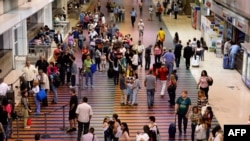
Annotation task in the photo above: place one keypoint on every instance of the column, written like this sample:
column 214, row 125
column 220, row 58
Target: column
column 40, row 16
column 48, row 16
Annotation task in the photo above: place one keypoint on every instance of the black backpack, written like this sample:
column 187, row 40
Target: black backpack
column 56, row 80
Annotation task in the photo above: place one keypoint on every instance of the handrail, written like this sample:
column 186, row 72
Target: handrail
column 11, row 85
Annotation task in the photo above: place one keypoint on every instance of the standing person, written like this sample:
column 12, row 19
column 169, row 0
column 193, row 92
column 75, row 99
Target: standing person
column 90, row 136
column 176, row 9
column 203, row 82
column 140, row 48
column 44, row 84
column 154, row 128
column 148, row 57
column 42, row 63
column 182, row 109
column 3, row 87
column 72, row 111
column 133, row 16
column 25, row 109
column 232, row 54
column 150, row 10
column 123, row 88
column 140, row 8
column 201, row 130
column 136, row 87
column 30, row 73
column 106, row 128
column 84, row 114
column 73, row 72
column 88, row 74
column 35, row 91
column 172, row 85
column 165, row 5
column 160, row 37
column 227, row 46
column 141, row 28
column 169, row 58
column 125, row 132
column 98, row 55
column 162, row 73
column 52, row 86
column 187, row 54
column 150, row 84
column 117, row 127
column 177, row 53
column 116, row 65
column 208, row 117
column 159, row 12
column 195, row 115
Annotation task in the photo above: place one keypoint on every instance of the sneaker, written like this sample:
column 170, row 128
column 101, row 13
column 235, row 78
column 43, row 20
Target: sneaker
column 26, row 127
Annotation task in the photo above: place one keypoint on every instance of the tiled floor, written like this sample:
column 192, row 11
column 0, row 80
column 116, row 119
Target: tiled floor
column 228, row 96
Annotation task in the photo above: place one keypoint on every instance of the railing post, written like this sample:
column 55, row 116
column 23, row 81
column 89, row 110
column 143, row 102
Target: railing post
column 63, row 128
column 17, row 130
column 45, row 135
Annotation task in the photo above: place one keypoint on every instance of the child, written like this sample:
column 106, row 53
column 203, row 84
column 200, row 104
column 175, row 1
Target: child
column 103, row 62
column 35, row 91
column 72, row 112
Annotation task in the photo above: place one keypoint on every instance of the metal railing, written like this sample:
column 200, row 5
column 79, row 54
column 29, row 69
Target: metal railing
column 37, row 50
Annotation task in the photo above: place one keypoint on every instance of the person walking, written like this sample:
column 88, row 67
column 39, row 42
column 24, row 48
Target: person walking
column 182, row 109
column 72, row 111
column 30, row 73
column 148, row 57
column 150, row 84
column 133, row 16
column 169, row 58
column 88, row 74
column 177, row 53
column 187, row 54
column 84, row 113
column 176, row 9
column 3, row 87
column 160, row 37
column 203, row 82
column 90, row 136
column 172, row 85
column 150, row 10
column 162, row 74
column 141, row 28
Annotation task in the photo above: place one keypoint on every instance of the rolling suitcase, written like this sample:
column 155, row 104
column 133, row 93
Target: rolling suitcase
column 172, row 129
column 226, row 62
column 195, row 61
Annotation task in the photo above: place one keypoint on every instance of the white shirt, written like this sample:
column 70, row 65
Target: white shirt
column 29, row 72
column 89, row 137
column 35, row 90
column 103, row 20
column 142, row 136
column 150, row 10
column 4, row 88
column 84, row 110
column 200, row 132
column 140, row 48
column 135, row 59
column 140, row 26
column 123, row 50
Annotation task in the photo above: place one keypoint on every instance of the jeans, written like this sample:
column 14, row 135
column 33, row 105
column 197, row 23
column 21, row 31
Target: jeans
column 157, row 58
column 163, row 87
column 73, row 80
column 5, row 127
column 208, row 132
column 193, row 126
column 54, row 91
column 88, row 75
column 140, row 59
column 170, row 67
column 130, row 95
column 231, row 60
column 147, row 62
column 37, row 102
column 80, row 44
column 185, row 122
column 83, row 128
column 135, row 92
column 133, row 20
column 172, row 95
column 116, row 77
column 150, row 97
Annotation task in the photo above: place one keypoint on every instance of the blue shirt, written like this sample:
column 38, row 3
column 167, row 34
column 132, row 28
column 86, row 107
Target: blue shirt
column 234, row 49
column 169, row 57
column 133, row 13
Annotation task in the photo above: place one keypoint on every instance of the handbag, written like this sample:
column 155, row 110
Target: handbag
column 41, row 94
column 29, row 122
column 93, row 68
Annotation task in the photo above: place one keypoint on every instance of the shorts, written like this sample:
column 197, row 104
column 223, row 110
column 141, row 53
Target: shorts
column 72, row 115
column 134, row 67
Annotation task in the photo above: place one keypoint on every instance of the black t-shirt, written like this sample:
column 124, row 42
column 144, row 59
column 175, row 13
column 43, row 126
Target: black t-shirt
column 73, row 100
column 24, row 85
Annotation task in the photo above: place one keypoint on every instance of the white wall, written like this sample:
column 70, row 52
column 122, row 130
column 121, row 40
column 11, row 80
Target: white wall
column 1, row 7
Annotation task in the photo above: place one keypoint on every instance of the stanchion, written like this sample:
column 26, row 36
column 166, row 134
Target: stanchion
column 17, row 130
column 45, row 135
column 63, row 128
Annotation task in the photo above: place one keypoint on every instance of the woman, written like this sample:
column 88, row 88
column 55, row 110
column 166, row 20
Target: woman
column 70, row 40
column 116, row 66
column 201, row 100
column 26, row 109
column 204, row 47
column 203, row 82
column 171, row 89
column 217, row 134
column 35, row 91
column 200, row 130
column 98, row 58
column 134, row 60
column 117, row 127
column 194, row 119
column 105, row 126
column 52, row 66
column 176, row 38
column 153, row 128
column 208, row 116
column 145, row 136
column 125, row 132
column 157, row 53
column 130, row 82
column 7, row 120
column 136, row 87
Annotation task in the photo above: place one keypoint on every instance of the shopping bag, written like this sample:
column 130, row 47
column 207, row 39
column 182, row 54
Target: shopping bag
column 41, row 94
column 29, row 122
column 93, row 68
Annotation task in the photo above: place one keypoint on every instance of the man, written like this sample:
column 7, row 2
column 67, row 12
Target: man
column 160, row 37
column 182, row 109
column 44, row 84
column 141, row 28
column 177, row 53
column 233, row 51
column 3, row 87
column 187, row 54
column 30, row 73
column 176, row 9
column 139, row 49
column 84, row 114
column 147, row 57
column 58, row 38
column 42, row 64
column 162, row 73
column 90, row 136
column 72, row 111
column 88, row 74
column 150, row 84
column 123, row 88
column 133, row 16
column 169, row 61
column 23, row 85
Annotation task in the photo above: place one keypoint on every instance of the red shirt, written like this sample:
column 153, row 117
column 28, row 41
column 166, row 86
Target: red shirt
column 162, row 73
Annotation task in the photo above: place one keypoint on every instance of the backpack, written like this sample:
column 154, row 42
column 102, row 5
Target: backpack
column 56, row 80
column 210, row 81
